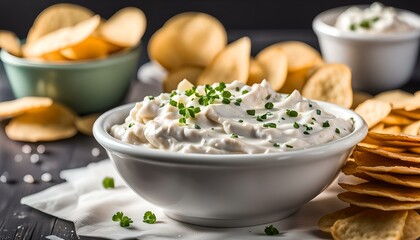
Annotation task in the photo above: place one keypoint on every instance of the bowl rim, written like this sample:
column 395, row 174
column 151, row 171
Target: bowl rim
column 8, row 58
column 142, row 153
column 320, row 26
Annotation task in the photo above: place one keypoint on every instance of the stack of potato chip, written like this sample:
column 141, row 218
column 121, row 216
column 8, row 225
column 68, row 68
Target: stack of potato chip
column 68, row 32
column 386, row 204
column 193, row 46
column 37, row 119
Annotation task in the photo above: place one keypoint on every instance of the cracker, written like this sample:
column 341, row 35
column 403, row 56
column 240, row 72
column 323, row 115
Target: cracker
column 84, row 124
column 412, row 129
column 16, row 107
column 381, row 189
column 374, row 163
column 395, row 178
column 359, row 97
column 415, row 114
column 295, row 80
column 274, row 63
column 410, row 157
column 373, row 111
column 326, row 222
column 381, row 203
column 412, row 226
column 397, row 98
column 394, row 137
column 373, row 146
column 393, row 119
column 172, row 80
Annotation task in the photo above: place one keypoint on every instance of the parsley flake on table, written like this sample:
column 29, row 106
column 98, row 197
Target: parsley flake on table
column 149, row 217
column 124, row 220
column 271, row 230
column 108, row 182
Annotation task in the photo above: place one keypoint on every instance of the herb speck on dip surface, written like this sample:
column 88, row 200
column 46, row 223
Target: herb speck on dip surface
column 372, row 20
column 217, row 119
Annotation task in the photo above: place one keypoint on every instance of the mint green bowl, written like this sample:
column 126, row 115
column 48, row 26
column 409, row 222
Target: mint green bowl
column 85, row 86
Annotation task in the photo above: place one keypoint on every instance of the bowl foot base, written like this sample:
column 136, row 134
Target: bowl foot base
column 240, row 222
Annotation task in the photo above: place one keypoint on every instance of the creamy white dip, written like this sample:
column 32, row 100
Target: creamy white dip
column 374, row 19
column 242, row 119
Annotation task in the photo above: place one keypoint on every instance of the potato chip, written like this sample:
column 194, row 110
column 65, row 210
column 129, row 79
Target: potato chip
column 51, row 57
column 16, row 107
column 415, row 114
column 125, row 28
column 42, row 124
column 62, row 38
column 378, row 127
column 393, row 119
column 188, row 39
column 381, row 203
column 399, row 156
column 359, row 97
column 231, row 64
column 374, row 163
column 402, row 144
column 55, row 17
column 331, row 83
column 371, row 224
column 295, row 80
column 299, row 55
column 399, row 99
column 256, row 73
column 395, row 178
column 274, row 63
column 381, row 189
column 175, row 77
column 373, row 146
column 373, row 111
column 411, row 228
column 90, row 48
column 415, row 150
column 10, row 42
column 350, row 168
column 394, row 137
column 327, row 221
column 85, row 124
column 393, row 129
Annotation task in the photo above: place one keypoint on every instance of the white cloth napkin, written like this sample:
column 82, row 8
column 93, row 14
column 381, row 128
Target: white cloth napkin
column 84, row 201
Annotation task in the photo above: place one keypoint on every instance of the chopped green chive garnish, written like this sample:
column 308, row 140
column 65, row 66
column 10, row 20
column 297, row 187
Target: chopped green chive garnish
column 251, row 112
column 318, row 112
column 291, row 113
column 337, row 130
column 191, row 91
column 182, row 120
column 245, row 92
column 310, row 104
column 151, row 97
column 130, row 125
column 240, row 120
column 212, row 128
column 268, row 97
column 353, row 27
column 197, row 126
column 306, row 132
column 296, row 125
column 282, row 118
column 269, row 105
column 237, row 89
column 259, row 118
column 225, row 101
column 234, row 135
column 221, row 87
column 270, row 125
column 173, row 103
column 314, row 119
column 271, row 230
column 289, row 146
column 149, row 217
column 276, row 145
column 124, row 220
column 108, row 182
column 326, row 124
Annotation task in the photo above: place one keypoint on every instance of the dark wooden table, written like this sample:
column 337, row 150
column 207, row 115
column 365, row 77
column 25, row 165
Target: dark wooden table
column 22, row 222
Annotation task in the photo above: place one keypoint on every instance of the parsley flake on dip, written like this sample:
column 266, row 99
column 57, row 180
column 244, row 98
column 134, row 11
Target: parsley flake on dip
column 375, row 19
column 229, row 118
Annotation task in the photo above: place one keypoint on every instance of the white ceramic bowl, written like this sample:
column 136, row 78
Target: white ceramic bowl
column 228, row 190
column 378, row 62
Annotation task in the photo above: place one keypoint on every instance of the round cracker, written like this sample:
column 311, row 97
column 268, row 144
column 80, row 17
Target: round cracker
column 295, row 80
column 55, row 17
column 10, row 42
column 330, row 83
column 398, row 179
column 359, row 97
column 373, row 111
column 175, row 77
column 394, row 137
column 62, row 38
column 274, row 63
column 85, row 124
column 231, row 64
column 43, row 124
column 412, row 129
column 399, row 99
column 125, row 28
column 299, row 55
column 393, row 119
column 326, row 222
column 22, row 105
column 381, row 189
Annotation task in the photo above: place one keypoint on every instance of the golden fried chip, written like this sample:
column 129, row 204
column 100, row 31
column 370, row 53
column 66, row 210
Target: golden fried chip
column 394, row 137
column 42, row 124
column 10, row 42
column 373, row 111
column 409, row 157
column 231, row 64
column 395, row 178
column 51, row 57
column 296, row 80
column 378, row 127
column 393, row 129
column 16, row 107
column 400, row 99
column 62, row 38
column 256, row 73
column 90, row 48
column 359, row 97
column 330, row 83
column 373, row 146
column 85, row 124
column 175, row 77
column 412, row 226
column 374, row 163
column 125, row 28
column 56, row 17
column 415, row 150
column 326, row 222
column 187, row 39
column 299, row 55
column 412, row 129
column 274, row 63
column 393, row 119
column 350, row 168
column 415, row 114
column 371, row 224
column 381, row 189
column 381, row 203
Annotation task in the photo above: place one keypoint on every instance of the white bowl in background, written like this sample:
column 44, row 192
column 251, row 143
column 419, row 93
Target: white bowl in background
column 378, row 61
column 228, row 190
